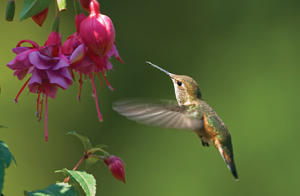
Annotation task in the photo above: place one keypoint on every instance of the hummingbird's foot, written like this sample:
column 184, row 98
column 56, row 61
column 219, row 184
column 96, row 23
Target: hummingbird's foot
column 204, row 143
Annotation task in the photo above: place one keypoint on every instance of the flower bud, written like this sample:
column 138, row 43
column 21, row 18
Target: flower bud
column 78, row 19
column 116, row 167
column 40, row 17
column 10, row 10
column 97, row 31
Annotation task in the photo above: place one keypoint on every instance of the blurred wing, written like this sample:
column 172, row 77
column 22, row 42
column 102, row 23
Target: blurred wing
column 164, row 114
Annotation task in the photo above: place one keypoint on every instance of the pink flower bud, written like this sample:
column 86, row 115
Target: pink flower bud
column 78, row 19
column 97, row 31
column 40, row 17
column 116, row 166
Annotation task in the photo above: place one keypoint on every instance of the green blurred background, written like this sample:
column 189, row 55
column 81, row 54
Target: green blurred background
column 243, row 54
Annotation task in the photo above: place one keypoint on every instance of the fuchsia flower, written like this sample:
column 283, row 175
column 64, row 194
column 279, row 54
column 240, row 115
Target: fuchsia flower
column 90, row 48
column 87, row 52
column 97, row 31
column 116, row 167
column 48, row 68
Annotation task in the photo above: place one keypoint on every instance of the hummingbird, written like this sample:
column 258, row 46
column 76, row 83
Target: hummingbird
column 189, row 112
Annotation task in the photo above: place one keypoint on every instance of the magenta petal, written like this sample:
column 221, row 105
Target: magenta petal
column 85, row 66
column 54, row 38
column 23, row 55
column 21, row 73
column 18, row 50
column 35, row 59
column 77, row 54
column 56, row 78
column 63, row 62
column 36, row 77
column 66, row 74
column 51, row 91
column 109, row 65
column 30, row 70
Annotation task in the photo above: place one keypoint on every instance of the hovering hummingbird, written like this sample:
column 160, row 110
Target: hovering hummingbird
column 189, row 112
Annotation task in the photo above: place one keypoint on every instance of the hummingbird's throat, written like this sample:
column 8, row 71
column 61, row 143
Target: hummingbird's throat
column 181, row 95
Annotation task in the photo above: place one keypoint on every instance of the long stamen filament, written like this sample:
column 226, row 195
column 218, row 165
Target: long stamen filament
column 108, row 84
column 21, row 90
column 96, row 98
column 80, row 86
column 100, row 79
column 46, row 118
column 41, row 111
column 38, row 104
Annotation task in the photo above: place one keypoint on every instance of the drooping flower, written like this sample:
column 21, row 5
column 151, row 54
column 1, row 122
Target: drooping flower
column 116, row 167
column 48, row 68
column 82, row 57
column 40, row 17
column 97, row 31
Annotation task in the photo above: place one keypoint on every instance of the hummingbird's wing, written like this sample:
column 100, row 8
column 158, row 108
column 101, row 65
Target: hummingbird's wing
column 164, row 114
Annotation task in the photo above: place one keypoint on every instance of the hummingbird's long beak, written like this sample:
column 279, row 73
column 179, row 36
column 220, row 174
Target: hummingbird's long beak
column 161, row 69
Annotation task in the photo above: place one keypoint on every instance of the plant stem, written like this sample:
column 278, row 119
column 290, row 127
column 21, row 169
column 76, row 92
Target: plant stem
column 66, row 180
column 79, row 162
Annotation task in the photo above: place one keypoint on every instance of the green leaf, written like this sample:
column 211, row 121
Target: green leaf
column 5, row 155
column 85, row 180
column 1, row 177
column 62, row 5
column 33, row 7
column 2, row 126
column 96, row 149
column 5, row 160
column 84, row 140
column 58, row 189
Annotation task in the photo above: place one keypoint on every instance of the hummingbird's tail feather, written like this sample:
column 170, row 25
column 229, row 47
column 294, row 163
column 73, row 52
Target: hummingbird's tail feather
column 227, row 155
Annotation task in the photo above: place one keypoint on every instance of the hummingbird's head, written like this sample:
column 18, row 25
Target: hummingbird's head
column 186, row 88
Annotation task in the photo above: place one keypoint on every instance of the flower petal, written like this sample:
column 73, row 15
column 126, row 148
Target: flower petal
column 78, row 54
column 63, row 62
column 34, row 58
column 55, row 77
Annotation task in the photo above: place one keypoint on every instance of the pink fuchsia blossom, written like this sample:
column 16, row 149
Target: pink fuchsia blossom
column 116, row 167
column 48, row 68
column 40, row 17
column 97, row 31
column 87, row 63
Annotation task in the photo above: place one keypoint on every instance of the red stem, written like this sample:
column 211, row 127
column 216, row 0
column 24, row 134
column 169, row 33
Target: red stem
column 66, row 180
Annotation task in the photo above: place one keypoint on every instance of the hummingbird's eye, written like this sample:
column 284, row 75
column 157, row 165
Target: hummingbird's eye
column 179, row 83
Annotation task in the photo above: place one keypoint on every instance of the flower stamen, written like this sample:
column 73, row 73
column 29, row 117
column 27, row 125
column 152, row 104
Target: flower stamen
column 21, row 90
column 96, row 97
column 100, row 79
column 41, row 112
column 46, row 118
column 108, row 84
column 38, row 104
column 80, row 85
